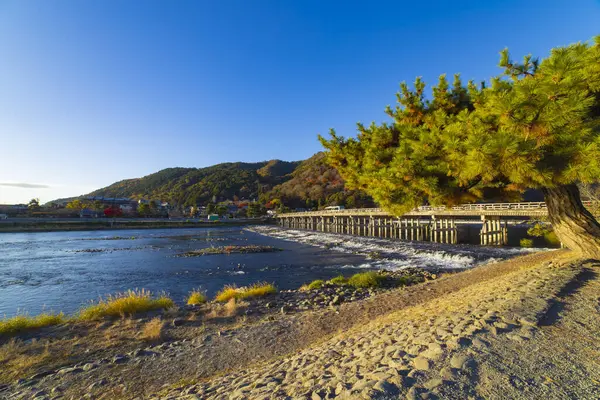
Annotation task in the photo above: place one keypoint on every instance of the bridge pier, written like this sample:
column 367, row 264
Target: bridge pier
column 443, row 230
column 493, row 232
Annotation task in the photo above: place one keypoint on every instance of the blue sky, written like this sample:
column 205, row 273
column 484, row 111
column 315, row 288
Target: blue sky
column 92, row 92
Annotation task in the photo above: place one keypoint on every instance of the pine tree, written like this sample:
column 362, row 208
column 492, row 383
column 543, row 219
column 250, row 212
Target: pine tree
column 537, row 125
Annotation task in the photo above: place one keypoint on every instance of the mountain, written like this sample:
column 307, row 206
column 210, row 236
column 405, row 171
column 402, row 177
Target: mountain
column 195, row 186
column 314, row 183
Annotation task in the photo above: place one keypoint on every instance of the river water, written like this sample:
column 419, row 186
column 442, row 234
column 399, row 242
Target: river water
column 61, row 271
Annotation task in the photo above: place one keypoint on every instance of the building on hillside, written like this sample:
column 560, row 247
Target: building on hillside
column 232, row 209
column 111, row 201
column 201, row 211
column 87, row 213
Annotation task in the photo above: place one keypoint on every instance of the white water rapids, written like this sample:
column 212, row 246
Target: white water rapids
column 393, row 254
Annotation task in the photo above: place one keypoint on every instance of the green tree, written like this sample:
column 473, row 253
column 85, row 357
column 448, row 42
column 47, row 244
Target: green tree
column 221, row 210
column 256, row 210
column 33, row 205
column 210, row 208
column 143, row 210
column 535, row 126
column 77, row 205
column 97, row 205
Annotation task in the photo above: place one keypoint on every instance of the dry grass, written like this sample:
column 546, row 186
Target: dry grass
column 18, row 359
column 230, row 309
column 123, row 304
column 20, row 323
column 171, row 312
column 153, row 329
column 256, row 290
column 196, row 297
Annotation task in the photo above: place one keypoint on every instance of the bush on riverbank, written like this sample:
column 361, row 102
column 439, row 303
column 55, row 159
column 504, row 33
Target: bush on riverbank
column 339, row 281
column 122, row 304
column 20, row 323
column 370, row 279
column 526, row 242
column 256, row 290
column 318, row 284
column 196, row 297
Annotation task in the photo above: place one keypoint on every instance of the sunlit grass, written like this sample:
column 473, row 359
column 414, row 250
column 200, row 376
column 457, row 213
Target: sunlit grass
column 23, row 322
column 339, row 280
column 196, row 297
column 370, row 279
column 227, row 293
column 526, row 242
column 127, row 303
column 256, row 290
column 317, row 284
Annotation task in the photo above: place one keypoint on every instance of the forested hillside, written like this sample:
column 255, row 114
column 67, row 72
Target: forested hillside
column 315, row 183
column 307, row 184
column 197, row 186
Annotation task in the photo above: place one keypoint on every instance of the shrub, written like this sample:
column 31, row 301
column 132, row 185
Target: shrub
column 196, row 297
column 408, row 280
column 366, row 280
column 20, row 323
column 128, row 303
column 318, row 284
column 338, row 280
column 526, row 242
column 256, row 290
column 539, row 230
column 552, row 239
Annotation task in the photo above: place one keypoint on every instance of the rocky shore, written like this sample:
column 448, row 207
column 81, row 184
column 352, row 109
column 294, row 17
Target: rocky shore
column 332, row 295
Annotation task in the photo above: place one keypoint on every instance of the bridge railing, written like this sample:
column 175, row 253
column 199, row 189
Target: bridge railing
column 538, row 205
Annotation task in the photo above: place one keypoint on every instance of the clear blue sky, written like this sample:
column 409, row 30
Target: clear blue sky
column 92, row 92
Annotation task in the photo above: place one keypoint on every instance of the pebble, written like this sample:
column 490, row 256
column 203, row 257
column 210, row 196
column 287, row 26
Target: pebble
column 69, row 370
column 422, row 363
column 119, row 359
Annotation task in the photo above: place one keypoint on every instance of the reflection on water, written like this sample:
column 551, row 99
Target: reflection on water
column 61, row 271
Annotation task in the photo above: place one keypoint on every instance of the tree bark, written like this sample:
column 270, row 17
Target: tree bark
column 574, row 225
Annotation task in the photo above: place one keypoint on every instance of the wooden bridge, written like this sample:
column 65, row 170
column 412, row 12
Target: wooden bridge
column 426, row 223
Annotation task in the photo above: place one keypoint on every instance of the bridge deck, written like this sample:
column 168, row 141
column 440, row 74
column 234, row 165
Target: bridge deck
column 530, row 209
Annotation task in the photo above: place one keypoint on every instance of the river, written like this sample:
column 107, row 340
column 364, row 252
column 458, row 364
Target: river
column 62, row 271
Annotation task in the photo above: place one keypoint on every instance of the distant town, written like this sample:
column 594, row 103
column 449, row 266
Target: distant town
column 110, row 207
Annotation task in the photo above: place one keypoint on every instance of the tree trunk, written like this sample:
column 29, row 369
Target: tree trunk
column 575, row 226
